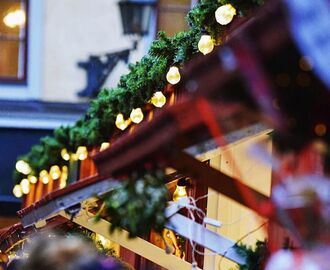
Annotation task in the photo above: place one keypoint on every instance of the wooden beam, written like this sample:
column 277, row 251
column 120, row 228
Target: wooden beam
column 137, row 245
column 224, row 184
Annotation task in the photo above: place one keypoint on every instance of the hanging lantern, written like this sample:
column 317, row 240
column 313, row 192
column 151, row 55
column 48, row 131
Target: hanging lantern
column 17, row 191
column 82, row 152
column 23, row 167
column 121, row 123
column 104, row 146
column 135, row 15
column 158, row 99
column 180, row 190
column 173, row 75
column 25, row 186
column 205, row 44
column 65, row 155
column 55, row 172
column 225, row 14
column 33, row 179
column 44, row 177
column 136, row 115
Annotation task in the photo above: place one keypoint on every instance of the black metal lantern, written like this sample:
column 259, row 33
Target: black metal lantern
column 135, row 15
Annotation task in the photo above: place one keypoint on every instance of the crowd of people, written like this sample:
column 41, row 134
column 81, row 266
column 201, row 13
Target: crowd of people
column 63, row 253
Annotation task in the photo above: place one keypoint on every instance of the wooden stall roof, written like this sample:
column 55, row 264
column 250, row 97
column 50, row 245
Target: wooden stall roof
column 181, row 125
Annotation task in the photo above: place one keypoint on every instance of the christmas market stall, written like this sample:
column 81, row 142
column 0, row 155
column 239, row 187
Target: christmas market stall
column 238, row 152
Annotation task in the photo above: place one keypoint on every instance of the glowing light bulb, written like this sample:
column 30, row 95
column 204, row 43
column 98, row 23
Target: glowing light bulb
column 55, row 172
column 14, row 18
column 205, row 44
column 17, row 191
column 121, row 123
column 225, row 14
column 33, row 179
column 106, row 243
column 158, row 99
column 104, row 146
column 65, row 155
column 180, row 190
column 25, row 186
column 82, row 152
column 136, row 115
column 23, row 167
column 64, row 176
column 173, row 75
column 44, row 177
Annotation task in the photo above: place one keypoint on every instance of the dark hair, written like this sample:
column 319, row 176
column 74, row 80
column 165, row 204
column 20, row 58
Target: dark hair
column 15, row 264
column 106, row 264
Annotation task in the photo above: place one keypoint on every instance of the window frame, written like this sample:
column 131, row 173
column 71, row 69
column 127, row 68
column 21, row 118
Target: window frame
column 31, row 88
column 23, row 79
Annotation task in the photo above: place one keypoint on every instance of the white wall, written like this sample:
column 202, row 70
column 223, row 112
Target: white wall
column 73, row 30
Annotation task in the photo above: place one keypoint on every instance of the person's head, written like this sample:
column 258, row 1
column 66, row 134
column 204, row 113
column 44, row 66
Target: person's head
column 59, row 253
column 15, row 264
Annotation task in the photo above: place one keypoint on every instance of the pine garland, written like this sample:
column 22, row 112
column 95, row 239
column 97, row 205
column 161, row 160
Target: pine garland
column 134, row 90
column 255, row 256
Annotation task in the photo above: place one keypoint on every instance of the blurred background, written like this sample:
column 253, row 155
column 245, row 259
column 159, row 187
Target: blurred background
column 56, row 55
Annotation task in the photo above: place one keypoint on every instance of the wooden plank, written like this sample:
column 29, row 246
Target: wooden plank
column 226, row 185
column 55, row 205
column 137, row 245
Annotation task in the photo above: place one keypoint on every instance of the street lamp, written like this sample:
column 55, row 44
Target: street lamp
column 135, row 15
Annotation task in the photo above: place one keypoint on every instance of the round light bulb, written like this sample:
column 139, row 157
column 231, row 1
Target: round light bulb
column 205, row 44
column 121, row 123
column 225, row 14
column 44, row 177
column 104, row 146
column 55, row 172
column 15, row 18
column 23, row 167
column 158, row 99
column 136, row 115
column 25, row 186
column 17, row 191
column 33, row 179
column 65, row 155
column 82, row 152
column 173, row 75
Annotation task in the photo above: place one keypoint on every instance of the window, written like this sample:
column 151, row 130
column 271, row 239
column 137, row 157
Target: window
column 13, row 40
column 171, row 15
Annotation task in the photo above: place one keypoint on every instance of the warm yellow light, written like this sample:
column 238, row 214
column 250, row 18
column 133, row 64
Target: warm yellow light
column 15, row 18
column 44, row 177
column 64, row 176
column 136, row 115
column 33, row 179
column 205, row 44
column 121, row 123
column 158, row 99
column 82, row 152
column 106, row 243
column 55, row 172
column 23, row 167
column 25, row 186
column 173, row 75
column 17, row 191
column 225, row 14
column 65, row 155
column 104, row 146
column 180, row 192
